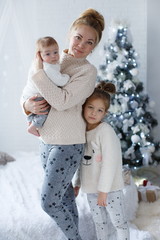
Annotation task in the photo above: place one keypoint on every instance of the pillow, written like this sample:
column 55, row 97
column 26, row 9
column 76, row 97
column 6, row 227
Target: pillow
column 4, row 158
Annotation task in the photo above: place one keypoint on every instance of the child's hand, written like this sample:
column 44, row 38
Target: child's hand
column 102, row 199
column 76, row 191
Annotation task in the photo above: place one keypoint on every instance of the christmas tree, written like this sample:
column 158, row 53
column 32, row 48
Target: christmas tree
column 131, row 110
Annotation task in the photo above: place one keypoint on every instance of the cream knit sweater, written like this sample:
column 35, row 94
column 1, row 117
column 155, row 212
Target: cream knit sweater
column 64, row 124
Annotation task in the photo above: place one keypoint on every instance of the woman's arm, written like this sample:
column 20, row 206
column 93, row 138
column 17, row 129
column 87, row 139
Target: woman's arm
column 77, row 90
column 80, row 86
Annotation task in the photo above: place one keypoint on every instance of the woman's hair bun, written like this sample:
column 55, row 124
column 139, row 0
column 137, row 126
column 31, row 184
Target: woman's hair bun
column 95, row 15
column 106, row 87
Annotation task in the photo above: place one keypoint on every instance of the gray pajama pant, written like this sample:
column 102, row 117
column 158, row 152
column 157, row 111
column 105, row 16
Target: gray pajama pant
column 114, row 212
column 38, row 120
column 60, row 163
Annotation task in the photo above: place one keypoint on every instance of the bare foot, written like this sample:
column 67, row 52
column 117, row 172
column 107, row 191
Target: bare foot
column 33, row 130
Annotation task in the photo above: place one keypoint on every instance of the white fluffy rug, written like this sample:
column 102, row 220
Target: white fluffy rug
column 21, row 216
column 148, row 218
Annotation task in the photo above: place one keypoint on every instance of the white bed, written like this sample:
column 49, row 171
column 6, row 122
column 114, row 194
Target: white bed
column 21, row 216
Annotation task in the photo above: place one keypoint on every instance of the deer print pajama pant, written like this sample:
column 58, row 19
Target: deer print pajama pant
column 60, row 163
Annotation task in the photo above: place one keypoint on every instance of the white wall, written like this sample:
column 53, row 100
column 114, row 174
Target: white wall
column 52, row 18
column 153, row 63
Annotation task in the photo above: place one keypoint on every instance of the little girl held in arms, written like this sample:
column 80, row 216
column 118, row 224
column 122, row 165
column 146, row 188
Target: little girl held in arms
column 100, row 173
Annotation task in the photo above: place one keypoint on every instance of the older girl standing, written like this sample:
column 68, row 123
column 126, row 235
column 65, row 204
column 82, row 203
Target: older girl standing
column 100, row 174
column 63, row 134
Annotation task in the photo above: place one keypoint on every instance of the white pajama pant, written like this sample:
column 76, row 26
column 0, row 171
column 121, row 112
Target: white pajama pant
column 114, row 212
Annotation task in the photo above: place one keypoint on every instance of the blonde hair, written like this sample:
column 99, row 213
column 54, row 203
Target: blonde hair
column 45, row 42
column 92, row 18
column 103, row 91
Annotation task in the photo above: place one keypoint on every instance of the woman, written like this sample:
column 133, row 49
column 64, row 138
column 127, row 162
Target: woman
column 63, row 134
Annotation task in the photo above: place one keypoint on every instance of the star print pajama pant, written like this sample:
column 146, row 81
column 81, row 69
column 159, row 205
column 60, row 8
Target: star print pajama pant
column 114, row 212
column 60, row 163
column 38, row 120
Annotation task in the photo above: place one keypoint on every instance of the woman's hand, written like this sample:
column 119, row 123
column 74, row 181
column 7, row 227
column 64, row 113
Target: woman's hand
column 36, row 107
column 38, row 62
column 102, row 199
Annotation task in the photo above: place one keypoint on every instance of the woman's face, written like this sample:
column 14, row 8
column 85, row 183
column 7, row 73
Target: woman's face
column 82, row 41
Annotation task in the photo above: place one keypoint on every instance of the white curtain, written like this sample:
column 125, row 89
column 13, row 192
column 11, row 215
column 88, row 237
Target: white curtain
column 18, row 33
column 5, row 13
column 19, row 16
column 21, row 24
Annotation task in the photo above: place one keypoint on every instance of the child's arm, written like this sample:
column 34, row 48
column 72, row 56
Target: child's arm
column 53, row 73
column 102, row 199
column 111, row 160
column 76, row 191
column 76, row 182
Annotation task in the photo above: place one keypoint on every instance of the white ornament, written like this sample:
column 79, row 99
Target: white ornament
column 129, row 152
column 110, row 76
column 135, row 129
column 139, row 111
column 134, row 71
column 135, row 138
column 151, row 148
column 144, row 128
column 128, row 84
column 134, row 104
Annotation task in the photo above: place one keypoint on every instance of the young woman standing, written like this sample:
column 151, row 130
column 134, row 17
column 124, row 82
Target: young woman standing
column 63, row 133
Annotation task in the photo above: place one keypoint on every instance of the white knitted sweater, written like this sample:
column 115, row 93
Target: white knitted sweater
column 101, row 167
column 64, row 124
column 52, row 71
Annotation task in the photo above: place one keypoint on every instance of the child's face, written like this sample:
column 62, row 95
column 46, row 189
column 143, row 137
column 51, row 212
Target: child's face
column 94, row 112
column 50, row 54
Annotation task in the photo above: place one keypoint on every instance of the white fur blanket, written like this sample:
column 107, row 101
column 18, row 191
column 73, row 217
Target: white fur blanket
column 148, row 217
column 21, row 216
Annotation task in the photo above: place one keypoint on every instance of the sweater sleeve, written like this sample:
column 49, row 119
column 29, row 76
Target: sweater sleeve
column 29, row 89
column 80, row 86
column 53, row 72
column 111, row 158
